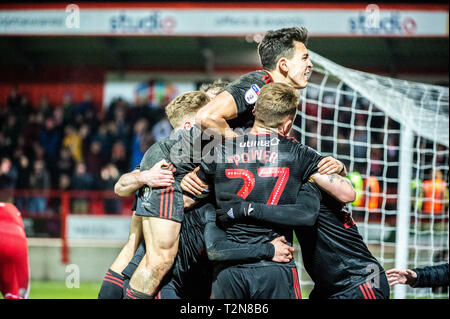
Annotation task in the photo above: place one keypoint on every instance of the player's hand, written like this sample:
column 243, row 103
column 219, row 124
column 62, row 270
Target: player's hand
column 283, row 252
column 329, row 165
column 398, row 276
column 157, row 176
column 233, row 212
column 192, row 184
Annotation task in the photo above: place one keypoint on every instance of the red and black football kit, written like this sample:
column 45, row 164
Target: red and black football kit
column 265, row 168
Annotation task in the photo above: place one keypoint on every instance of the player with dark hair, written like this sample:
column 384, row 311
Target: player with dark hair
column 284, row 59
column 265, row 166
column 14, row 267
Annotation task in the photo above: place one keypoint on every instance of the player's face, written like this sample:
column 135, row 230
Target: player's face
column 299, row 66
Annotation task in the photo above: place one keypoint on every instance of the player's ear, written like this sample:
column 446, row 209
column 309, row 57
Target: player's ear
column 282, row 65
column 253, row 111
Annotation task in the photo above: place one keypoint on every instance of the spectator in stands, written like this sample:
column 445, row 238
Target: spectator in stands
column 13, row 99
column 67, row 107
column 66, row 163
column 11, row 132
column 72, row 140
column 86, row 137
column 8, row 178
column 23, row 110
column 85, row 111
column 23, row 182
column 109, row 177
column 105, row 138
column 94, row 159
column 81, row 180
column 33, row 129
column 119, row 128
column 119, row 157
column 50, row 140
column 140, row 142
column 39, row 181
column 44, row 107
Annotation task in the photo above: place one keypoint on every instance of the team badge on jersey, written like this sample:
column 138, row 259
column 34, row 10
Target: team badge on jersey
column 252, row 94
column 147, row 192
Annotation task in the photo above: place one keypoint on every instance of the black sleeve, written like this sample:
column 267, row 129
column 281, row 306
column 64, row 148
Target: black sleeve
column 208, row 165
column 310, row 158
column 219, row 248
column 303, row 213
column 433, row 276
column 245, row 90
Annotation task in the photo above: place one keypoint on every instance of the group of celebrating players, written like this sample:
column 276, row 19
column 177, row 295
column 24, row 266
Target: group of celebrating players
column 217, row 203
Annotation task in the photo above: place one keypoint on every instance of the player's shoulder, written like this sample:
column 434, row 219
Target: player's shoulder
column 258, row 77
column 155, row 152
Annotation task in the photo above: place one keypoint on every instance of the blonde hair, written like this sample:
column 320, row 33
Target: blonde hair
column 276, row 101
column 185, row 106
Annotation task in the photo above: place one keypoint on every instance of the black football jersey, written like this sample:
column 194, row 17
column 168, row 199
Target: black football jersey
column 245, row 91
column 265, row 168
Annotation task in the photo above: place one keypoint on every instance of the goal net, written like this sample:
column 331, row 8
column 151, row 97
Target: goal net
column 393, row 135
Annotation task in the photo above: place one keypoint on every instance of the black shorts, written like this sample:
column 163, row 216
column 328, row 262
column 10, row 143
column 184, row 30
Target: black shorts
column 129, row 270
column 164, row 202
column 267, row 282
column 366, row 290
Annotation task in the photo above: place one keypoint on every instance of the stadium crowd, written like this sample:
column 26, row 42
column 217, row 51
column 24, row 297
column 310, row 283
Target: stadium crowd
column 72, row 146
column 81, row 146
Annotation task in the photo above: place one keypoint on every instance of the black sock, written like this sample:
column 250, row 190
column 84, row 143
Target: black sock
column 134, row 294
column 112, row 286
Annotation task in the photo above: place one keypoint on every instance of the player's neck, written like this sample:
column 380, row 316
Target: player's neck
column 260, row 129
column 278, row 77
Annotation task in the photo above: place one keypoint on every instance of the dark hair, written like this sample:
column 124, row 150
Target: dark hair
column 279, row 43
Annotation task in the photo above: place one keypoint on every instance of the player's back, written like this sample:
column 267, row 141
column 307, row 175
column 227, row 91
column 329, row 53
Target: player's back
column 265, row 168
column 334, row 253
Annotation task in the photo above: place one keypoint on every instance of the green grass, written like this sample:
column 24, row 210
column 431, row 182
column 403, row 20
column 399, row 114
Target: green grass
column 58, row 290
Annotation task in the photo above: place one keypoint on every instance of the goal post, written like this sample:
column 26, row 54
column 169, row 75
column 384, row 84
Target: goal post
column 393, row 135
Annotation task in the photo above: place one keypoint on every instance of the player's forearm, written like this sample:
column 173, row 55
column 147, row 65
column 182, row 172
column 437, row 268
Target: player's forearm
column 215, row 123
column 304, row 213
column 219, row 248
column 337, row 186
column 128, row 184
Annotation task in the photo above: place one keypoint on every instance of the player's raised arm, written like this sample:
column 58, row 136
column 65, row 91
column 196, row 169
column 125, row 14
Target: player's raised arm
column 337, row 186
column 157, row 176
column 215, row 114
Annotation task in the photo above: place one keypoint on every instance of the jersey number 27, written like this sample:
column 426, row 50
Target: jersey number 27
column 249, row 181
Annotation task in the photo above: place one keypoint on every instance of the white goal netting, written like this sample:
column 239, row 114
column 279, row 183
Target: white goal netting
column 393, row 135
